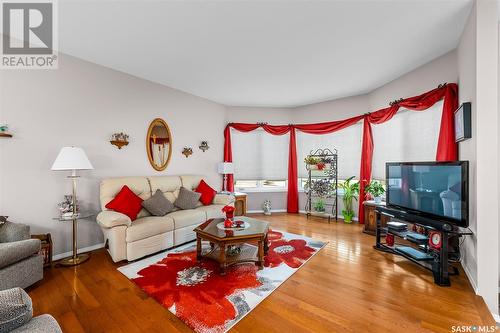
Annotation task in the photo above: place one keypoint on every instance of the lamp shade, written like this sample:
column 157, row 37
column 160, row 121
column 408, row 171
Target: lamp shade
column 71, row 158
column 225, row 168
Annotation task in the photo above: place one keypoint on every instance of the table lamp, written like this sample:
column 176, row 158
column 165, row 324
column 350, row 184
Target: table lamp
column 225, row 168
column 72, row 159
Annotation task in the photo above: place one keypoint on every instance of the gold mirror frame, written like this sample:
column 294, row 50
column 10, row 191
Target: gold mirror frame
column 154, row 123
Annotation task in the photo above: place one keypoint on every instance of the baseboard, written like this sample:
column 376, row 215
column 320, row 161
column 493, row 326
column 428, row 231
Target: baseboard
column 262, row 212
column 82, row 250
column 469, row 277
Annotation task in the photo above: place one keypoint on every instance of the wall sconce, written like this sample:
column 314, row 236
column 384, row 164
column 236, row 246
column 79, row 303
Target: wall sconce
column 187, row 151
column 119, row 140
column 204, row 146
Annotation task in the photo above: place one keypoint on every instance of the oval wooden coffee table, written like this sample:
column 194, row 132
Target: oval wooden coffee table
column 252, row 241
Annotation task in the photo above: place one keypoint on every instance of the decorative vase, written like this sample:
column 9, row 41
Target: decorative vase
column 228, row 223
column 229, row 211
column 378, row 200
column 267, row 207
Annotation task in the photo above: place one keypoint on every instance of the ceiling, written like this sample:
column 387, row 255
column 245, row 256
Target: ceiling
column 263, row 53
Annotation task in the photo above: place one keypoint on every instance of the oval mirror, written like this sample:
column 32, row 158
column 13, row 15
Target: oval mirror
column 159, row 144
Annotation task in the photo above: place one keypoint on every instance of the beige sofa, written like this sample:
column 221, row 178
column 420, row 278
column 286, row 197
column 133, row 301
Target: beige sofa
column 131, row 240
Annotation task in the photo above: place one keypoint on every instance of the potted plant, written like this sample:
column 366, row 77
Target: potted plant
column 312, row 162
column 376, row 190
column 351, row 192
column 319, row 206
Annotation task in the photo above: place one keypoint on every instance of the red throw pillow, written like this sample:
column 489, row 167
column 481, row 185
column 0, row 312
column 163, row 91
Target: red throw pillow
column 126, row 202
column 207, row 193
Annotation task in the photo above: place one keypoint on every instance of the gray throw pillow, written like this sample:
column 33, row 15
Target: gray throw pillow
column 187, row 199
column 15, row 309
column 158, row 205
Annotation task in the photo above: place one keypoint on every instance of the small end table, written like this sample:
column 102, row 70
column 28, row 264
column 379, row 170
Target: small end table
column 45, row 249
column 75, row 259
column 240, row 204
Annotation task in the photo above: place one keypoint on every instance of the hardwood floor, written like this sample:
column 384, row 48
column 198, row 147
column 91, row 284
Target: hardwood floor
column 346, row 287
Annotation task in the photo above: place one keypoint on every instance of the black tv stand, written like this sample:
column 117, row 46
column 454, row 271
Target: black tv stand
column 419, row 252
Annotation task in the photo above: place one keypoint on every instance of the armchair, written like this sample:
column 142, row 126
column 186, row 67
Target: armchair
column 20, row 263
column 16, row 314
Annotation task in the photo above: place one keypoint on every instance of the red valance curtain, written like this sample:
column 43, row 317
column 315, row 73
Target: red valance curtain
column 446, row 150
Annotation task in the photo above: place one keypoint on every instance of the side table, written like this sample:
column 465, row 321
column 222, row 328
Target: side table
column 46, row 248
column 240, row 204
column 371, row 217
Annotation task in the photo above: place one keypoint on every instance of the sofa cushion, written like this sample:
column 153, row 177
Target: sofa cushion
column 148, row 226
column 126, row 202
column 207, row 193
column 169, row 185
column 187, row 199
column 158, row 205
column 212, row 211
column 185, row 218
column 16, row 309
column 110, row 188
column 13, row 252
column 191, row 182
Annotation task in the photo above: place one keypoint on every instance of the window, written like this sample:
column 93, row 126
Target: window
column 261, row 185
column 260, row 160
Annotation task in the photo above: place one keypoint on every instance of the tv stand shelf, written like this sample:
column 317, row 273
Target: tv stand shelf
column 418, row 250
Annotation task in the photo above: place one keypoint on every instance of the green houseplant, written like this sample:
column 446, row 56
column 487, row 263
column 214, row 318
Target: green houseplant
column 319, row 206
column 376, row 189
column 351, row 192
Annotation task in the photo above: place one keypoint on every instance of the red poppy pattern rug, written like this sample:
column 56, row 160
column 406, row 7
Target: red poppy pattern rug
column 208, row 302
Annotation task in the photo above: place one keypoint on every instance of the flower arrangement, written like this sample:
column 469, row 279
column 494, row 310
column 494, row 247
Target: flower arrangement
column 311, row 160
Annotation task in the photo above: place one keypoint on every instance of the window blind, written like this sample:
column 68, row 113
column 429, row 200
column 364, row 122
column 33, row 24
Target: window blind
column 259, row 155
column 347, row 141
column 410, row 136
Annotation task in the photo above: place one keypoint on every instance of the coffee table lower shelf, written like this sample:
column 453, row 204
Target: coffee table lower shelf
column 248, row 253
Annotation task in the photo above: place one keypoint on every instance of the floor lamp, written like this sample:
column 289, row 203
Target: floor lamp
column 72, row 159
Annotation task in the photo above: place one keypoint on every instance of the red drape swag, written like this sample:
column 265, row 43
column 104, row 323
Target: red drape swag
column 446, row 147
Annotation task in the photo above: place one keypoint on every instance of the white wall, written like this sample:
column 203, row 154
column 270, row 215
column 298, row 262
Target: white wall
column 82, row 104
column 466, row 56
column 416, row 82
column 487, row 151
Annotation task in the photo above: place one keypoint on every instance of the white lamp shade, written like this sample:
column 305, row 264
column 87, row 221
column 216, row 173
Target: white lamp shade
column 225, row 168
column 71, row 158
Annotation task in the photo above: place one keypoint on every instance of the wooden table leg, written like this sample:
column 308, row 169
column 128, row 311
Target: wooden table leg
column 261, row 254
column 266, row 245
column 198, row 248
column 222, row 259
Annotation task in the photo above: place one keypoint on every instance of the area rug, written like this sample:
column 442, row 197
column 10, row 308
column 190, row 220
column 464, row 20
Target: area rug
column 208, row 302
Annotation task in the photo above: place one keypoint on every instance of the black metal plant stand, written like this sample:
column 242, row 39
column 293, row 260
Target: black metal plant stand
column 319, row 178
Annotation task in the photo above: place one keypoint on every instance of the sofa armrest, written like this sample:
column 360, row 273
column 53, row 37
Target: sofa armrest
column 223, row 199
column 13, row 252
column 16, row 309
column 109, row 219
column 13, row 232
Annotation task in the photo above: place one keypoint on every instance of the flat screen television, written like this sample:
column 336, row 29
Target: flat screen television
column 433, row 190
